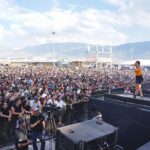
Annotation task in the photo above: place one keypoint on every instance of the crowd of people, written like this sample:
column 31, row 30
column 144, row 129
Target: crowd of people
column 26, row 90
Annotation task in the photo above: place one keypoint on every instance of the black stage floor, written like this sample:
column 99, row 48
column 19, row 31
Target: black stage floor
column 131, row 96
column 128, row 99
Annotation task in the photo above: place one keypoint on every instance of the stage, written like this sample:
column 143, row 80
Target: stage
column 128, row 114
column 131, row 96
column 129, row 99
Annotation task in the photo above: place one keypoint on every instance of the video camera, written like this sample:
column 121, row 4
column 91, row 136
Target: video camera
column 41, row 117
column 49, row 108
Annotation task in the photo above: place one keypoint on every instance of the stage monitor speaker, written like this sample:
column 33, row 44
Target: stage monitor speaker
column 88, row 135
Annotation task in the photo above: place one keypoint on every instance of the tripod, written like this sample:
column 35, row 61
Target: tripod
column 51, row 124
column 50, row 127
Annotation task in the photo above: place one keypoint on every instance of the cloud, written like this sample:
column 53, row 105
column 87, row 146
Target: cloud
column 31, row 28
column 133, row 12
column 56, row 3
column 115, row 2
column 3, row 33
column 137, row 12
column 28, row 27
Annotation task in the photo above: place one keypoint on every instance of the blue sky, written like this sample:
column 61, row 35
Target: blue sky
column 45, row 5
column 24, row 23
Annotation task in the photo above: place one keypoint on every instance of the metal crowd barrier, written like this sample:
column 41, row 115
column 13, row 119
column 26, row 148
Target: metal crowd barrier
column 101, row 93
column 146, row 86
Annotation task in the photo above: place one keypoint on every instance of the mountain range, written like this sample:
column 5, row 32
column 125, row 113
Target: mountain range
column 128, row 51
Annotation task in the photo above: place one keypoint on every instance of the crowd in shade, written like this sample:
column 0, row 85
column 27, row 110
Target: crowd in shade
column 26, row 89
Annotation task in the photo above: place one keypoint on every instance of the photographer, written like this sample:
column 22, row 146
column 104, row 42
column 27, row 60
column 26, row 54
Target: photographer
column 20, row 136
column 37, row 125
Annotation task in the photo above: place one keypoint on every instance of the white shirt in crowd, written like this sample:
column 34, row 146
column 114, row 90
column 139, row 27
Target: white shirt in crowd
column 60, row 104
column 34, row 105
column 50, row 102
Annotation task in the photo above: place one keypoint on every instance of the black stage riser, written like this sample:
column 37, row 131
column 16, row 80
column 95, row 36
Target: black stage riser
column 127, row 99
column 133, row 123
column 100, row 93
column 119, row 90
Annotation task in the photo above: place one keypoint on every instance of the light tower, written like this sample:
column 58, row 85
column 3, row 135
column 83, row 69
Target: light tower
column 103, row 55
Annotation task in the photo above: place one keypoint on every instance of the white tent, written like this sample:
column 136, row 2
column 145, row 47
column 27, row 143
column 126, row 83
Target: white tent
column 144, row 62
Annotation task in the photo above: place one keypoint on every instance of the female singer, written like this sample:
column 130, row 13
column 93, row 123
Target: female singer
column 139, row 79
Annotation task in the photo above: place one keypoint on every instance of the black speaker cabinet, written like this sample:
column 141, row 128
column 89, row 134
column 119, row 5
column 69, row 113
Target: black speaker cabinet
column 88, row 135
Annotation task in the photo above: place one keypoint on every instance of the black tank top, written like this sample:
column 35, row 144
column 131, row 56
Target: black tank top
column 17, row 110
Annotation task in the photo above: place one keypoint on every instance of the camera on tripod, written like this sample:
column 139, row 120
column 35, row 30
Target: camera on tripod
column 48, row 111
column 41, row 117
column 48, row 108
